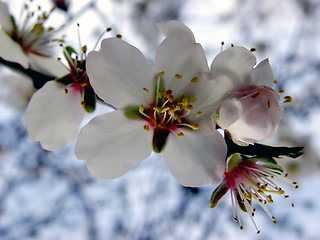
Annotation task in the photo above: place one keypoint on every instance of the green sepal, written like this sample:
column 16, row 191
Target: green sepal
column 234, row 160
column 218, row 193
column 132, row 112
column 160, row 135
column 66, row 80
column 240, row 203
column 70, row 50
column 89, row 97
column 267, row 160
column 13, row 22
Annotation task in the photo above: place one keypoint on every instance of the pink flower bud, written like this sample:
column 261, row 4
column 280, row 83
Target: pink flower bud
column 250, row 114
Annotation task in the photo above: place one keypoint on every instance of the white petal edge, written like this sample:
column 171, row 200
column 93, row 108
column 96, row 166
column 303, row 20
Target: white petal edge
column 176, row 27
column 53, row 116
column 236, row 63
column 262, row 74
column 47, row 65
column 119, row 72
column 11, row 51
column 177, row 55
column 5, row 16
column 196, row 159
column 112, row 144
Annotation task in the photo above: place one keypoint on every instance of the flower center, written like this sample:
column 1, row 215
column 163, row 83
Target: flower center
column 167, row 114
column 78, row 78
column 31, row 34
column 249, row 179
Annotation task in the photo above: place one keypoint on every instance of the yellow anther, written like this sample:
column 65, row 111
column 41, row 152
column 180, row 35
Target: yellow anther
column 84, row 49
column 189, row 108
column 119, row 36
column 195, row 126
column 160, row 74
column 275, row 82
column 185, row 101
column 235, row 219
column 177, row 108
column 141, row 109
column 288, row 99
column 193, row 100
column 146, row 90
column 198, row 114
column 179, row 76
column 281, row 91
column 160, row 94
column 194, row 80
column 164, row 109
column 66, row 90
column 180, row 134
column 146, row 128
column 177, row 117
column 157, row 109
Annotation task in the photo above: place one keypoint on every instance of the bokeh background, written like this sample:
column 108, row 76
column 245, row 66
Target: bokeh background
column 51, row 195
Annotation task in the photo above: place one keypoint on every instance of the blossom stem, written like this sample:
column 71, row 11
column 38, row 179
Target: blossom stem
column 260, row 150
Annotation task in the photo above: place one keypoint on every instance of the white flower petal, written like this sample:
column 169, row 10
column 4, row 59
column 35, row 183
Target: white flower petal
column 11, row 51
column 195, row 159
column 176, row 27
column 178, row 55
column 262, row 74
column 229, row 112
column 119, row 72
column 53, row 116
column 5, row 17
column 112, row 144
column 47, row 65
column 208, row 96
column 235, row 63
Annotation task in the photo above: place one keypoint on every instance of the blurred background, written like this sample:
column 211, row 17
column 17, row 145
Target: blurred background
column 51, row 195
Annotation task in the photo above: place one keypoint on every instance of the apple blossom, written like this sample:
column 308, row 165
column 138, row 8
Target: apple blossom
column 27, row 42
column 250, row 111
column 248, row 179
column 56, row 110
column 166, row 109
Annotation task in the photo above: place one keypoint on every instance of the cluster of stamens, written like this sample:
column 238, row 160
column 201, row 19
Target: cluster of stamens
column 32, row 34
column 168, row 112
column 250, row 181
column 77, row 67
